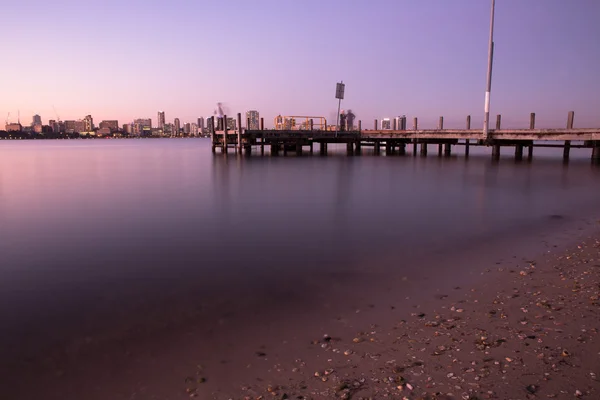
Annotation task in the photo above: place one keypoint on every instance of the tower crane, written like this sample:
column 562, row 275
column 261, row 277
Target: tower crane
column 57, row 116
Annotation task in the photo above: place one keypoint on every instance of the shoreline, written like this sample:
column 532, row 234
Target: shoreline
column 262, row 353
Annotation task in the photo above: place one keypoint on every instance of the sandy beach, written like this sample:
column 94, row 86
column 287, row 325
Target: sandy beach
column 520, row 328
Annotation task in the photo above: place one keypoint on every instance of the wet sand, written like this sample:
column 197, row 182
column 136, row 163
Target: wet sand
column 522, row 326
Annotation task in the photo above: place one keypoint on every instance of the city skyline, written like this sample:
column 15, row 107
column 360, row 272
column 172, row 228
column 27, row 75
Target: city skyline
column 434, row 64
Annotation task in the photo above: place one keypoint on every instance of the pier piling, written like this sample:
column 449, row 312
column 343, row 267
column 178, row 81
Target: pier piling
column 224, row 134
column 596, row 152
column 212, row 133
column 467, row 141
column 567, row 147
column 440, row 126
column 239, row 133
column 415, row 140
column 531, row 126
column 496, row 146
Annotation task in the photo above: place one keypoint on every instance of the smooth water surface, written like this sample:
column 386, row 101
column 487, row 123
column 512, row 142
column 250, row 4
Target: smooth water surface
column 105, row 230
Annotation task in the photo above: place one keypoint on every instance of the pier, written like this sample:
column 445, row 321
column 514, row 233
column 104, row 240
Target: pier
column 395, row 141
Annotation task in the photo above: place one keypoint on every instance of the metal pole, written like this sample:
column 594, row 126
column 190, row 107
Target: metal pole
column 337, row 123
column 486, row 119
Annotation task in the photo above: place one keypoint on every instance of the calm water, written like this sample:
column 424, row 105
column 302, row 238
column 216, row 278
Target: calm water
column 97, row 231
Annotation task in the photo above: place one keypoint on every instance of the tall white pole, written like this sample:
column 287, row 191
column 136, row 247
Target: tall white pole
column 488, row 88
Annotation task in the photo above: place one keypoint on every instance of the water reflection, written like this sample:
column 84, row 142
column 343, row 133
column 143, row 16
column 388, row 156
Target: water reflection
column 165, row 225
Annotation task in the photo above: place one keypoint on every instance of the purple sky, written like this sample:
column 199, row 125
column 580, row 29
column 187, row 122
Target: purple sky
column 128, row 59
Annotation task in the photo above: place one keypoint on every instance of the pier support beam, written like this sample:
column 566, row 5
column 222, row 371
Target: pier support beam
column 596, row 152
column 212, row 134
column 311, row 147
column 401, row 149
column 323, row 148
column 467, row 141
column 274, row 149
column 519, row 152
column 298, row 148
column 424, row 149
column 447, row 149
column 224, row 134
column 567, row 147
column 415, row 141
column 496, row 152
column 440, row 126
column 531, row 126
column 239, row 133
column 349, row 148
column 377, row 148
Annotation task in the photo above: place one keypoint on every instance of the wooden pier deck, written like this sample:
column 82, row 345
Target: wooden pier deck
column 395, row 141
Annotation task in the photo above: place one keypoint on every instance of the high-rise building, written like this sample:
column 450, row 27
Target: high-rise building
column 88, row 122
column 186, row 128
column 231, row 124
column 75, row 126
column 176, row 127
column 36, row 120
column 400, row 122
column 253, row 116
column 386, row 123
column 113, row 125
column 161, row 120
column 209, row 124
column 201, row 124
column 57, row 126
column 144, row 122
column 14, row 127
column 194, row 129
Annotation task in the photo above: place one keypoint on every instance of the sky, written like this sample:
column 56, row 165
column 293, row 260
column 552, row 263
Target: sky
column 129, row 59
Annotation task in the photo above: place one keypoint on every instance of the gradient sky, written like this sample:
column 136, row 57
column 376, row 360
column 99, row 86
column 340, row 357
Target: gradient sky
column 128, row 59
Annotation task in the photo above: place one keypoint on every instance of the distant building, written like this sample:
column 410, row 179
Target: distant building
column 253, row 116
column 57, row 126
column 209, row 124
column 167, row 129
column 145, row 122
column 161, row 120
column 350, row 117
column 386, row 123
column 106, row 131
column 75, row 126
column 194, row 129
column 88, row 122
column 176, row 127
column 231, row 124
column 187, row 128
column 14, row 127
column 36, row 120
column 113, row 125
column 400, row 122
column 142, row 126
column 201, row 124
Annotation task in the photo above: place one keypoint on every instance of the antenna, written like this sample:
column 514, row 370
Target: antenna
column 19, row 117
